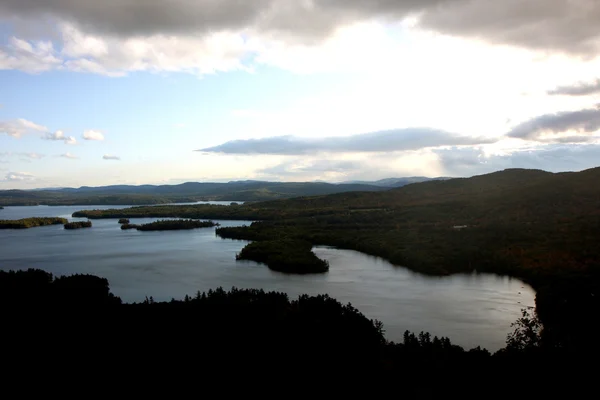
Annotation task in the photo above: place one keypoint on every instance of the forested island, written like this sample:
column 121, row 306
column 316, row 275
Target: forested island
column 170, row 225
column 78, row 225
column 538, row 226
column 292, row 256
column 128, row 226
column 124, row 221
column 26, row 223
column 248, row 330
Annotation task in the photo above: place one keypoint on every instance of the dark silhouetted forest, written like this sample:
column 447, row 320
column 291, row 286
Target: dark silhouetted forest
column 75, row 323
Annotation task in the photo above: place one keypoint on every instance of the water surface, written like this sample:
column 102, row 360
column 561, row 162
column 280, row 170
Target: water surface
column 470, row 309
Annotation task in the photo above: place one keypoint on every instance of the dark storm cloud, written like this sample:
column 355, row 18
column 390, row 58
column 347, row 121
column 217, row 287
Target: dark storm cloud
column 583, row 121
column 132, row 17
column 384, row 141
column 580, row 89
column 564, row 25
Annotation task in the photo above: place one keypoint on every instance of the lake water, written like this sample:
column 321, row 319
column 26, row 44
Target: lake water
column 470, row 309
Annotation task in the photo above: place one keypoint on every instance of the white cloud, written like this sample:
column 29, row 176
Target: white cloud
column 29, row 56
column 60, row 135
column 110, row 157
column 18, row 127
column 93, row 135
column 69, row 156
column 19, row 176
column 34, row 156
column 116, row 56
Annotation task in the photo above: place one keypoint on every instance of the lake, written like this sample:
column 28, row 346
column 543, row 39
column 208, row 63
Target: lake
column 472, row 310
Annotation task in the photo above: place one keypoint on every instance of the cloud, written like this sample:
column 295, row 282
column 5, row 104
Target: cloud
column 116, row 56
column 383, row 141
column 580, row 89
column 19, row 177
column 93, row 135
column 33, row 156
column 59, row 135
column 29, row 56
column 569, row 26
column 551, row 157
column 110, row 157
column 18, row 127
column 69, row 156
column 205, row 36
column 317, row 168
column 544, row 126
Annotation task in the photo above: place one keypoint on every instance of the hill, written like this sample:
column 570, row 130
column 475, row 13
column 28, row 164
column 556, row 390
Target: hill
column 182, row 193
column 397, row 182
column 538, row 226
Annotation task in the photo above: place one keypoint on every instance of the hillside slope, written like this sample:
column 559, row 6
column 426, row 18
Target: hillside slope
column 182, row 193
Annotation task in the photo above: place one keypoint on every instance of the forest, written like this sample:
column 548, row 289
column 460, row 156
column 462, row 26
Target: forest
column 538, row 226
column 171, row 225
column 26, row 223
column 188, row 192
column 291, row 256
column 78, row 225
column 78, row 320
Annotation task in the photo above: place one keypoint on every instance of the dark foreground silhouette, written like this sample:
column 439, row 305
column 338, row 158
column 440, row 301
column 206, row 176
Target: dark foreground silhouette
column 75, row 323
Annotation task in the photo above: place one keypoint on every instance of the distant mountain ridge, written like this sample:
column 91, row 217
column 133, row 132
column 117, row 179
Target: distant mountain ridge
column 397, row 182
column 248, row 190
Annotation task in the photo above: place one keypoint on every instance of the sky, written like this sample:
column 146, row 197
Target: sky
column 168, row 91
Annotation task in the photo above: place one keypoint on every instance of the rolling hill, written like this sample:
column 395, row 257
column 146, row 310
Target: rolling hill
column 182, row 193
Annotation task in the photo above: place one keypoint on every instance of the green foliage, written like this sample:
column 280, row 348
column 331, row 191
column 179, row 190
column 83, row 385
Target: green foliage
column 78, row 225
column 31, row 222
column 172, row 225
column 292, row 256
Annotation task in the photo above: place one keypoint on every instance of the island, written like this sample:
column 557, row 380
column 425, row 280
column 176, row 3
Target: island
column 291, row 256
column 534, row 225
column 124, row 221
column 78, row 225
column 26, row 223
column 129, row 226
column 170, row 225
